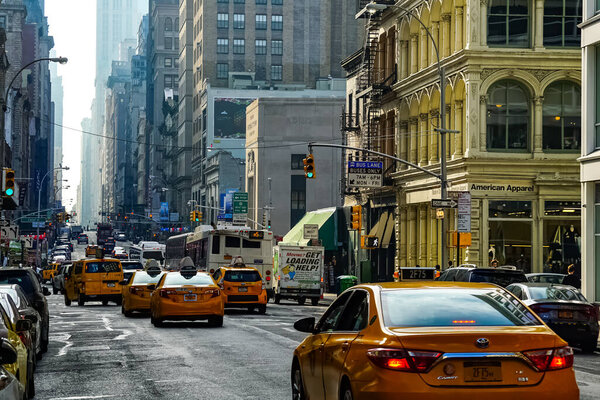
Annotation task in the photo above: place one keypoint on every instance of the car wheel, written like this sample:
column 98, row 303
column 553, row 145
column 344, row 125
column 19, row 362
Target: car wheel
column 250, row 309
column 297, row 384
column 215, row 320
column 44, row 345
column 67, row 301
column 81, row 300
column 276, row 299
column 346, row 391
column 104, row 302
column 589, row 346
column 157, row 322
column 119, row 301
column 301, row 300
column 314, row 301
column 262, row 309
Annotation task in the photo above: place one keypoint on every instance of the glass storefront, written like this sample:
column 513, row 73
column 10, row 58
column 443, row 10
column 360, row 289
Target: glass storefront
column 510, row 233
column 562, row 236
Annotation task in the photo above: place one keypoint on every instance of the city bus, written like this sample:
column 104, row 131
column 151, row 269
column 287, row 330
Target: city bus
column 211, row 248
column 175, row 250
column 145, row 251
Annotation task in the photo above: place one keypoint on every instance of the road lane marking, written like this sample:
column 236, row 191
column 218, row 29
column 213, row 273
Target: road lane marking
column 63, row 339
column 104, row 396
column 90, row 348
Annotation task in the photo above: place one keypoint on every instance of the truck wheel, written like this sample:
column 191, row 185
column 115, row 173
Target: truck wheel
column 277, row 298
column 80, row 300
column 262, row 309
column 301, row 300
column 314, row 301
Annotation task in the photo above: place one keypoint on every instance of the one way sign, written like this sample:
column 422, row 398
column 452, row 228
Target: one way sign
column 369, row 242
column 443, row 203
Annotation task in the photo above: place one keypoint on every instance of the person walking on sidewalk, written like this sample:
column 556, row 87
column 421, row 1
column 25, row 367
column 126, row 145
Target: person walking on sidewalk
column 572, row 279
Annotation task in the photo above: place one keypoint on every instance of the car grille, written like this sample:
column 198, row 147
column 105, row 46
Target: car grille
column 239, row 297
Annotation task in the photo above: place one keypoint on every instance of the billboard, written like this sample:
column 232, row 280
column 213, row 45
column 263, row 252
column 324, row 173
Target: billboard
column 164, row 212
column 230, row 118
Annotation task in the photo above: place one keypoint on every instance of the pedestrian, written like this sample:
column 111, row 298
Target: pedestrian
column 437, row 270
column 494, row 263
column 450, row 264
column 572, row 279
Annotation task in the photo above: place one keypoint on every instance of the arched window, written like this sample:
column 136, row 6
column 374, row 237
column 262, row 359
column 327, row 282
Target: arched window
column 562, row 116
column 508, row 23
column 168, row 24
column 561, row 18
column 507, row 117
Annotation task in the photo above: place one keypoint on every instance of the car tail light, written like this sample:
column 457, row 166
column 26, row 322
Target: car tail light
column 23, row 338
column 591, row 312
column 135, row 290
column 166, row 293
column 403, row 360
column 551, row 359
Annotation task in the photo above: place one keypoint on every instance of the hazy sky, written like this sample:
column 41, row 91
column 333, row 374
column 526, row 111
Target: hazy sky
column 73, row 26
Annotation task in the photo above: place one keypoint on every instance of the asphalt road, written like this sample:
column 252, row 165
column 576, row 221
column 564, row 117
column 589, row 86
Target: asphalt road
column 97, row 353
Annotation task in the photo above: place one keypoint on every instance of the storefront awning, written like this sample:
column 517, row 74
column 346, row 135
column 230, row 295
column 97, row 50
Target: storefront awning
column 387, row 233
column 383, row 229
column 327, row 229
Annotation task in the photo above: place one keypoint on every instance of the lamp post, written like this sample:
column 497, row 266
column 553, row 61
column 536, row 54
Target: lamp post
column 372, row 8
column 37, row 239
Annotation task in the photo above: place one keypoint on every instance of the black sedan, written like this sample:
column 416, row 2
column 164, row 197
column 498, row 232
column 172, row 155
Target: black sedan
column 82, row 238
column 564, row 309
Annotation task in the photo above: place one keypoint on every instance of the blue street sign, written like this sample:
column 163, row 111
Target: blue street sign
column 365, row 164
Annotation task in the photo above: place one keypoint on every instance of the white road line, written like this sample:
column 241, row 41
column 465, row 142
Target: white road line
column 104, row 396
column 107, row 323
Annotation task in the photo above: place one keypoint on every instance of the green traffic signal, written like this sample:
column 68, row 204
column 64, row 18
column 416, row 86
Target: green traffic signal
column 9, row 192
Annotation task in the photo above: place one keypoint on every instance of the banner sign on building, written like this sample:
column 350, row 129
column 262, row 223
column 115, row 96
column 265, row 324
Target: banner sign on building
column 365, row 173
column 464, row 212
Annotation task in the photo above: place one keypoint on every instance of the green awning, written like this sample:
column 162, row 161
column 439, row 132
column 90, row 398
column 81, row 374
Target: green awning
column 327, row 229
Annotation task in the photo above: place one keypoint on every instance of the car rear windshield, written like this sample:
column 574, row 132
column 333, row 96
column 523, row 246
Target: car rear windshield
column 499, row 277
column 21, row 278
column 176, row 279
column 453, row 307
column 142, row 278
column 155, row 255
column 14, row 295
column 132, row 266
column 554, row 293
column 242, row 276
column 102, row 267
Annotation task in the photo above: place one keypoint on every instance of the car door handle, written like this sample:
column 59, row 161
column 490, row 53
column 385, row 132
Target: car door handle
column 345, row 346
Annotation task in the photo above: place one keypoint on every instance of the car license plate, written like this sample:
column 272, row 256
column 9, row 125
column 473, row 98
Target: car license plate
column 565, row 314
column 110, row 284
column 242, row 289
column 189, row 297
column 483, row 372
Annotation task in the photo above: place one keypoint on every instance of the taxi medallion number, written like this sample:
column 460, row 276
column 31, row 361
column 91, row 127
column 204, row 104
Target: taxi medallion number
column 189, row 297
column 483, row 372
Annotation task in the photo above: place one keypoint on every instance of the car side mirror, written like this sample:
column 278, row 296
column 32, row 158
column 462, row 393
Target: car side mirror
column 8, row 354
column 306, row 325
column 23, row 325
column 46, row 291
column 124, row 282
column 151, row 286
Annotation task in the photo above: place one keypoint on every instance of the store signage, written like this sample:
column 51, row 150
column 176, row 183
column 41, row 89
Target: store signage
column 365, row 174
column 501, row 188
column 311, row 231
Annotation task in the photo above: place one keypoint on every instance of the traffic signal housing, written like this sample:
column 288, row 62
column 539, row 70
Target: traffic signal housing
column 356, row 218
column 192, row 216
column 198, row 216
column 59, row 217
column 8, row 182
column 309, row 167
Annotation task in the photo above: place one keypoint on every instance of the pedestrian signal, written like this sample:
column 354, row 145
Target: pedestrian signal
column 369, row 242
column 309, row 167
column 356, row 218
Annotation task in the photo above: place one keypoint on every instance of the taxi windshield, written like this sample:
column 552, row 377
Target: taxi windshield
column 453, row 307
column 102, row 267
column 242, row 276
column 176, row 279
column 142, row 278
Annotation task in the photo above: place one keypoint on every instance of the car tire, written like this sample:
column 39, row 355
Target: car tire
column 157, row 322
column 105, row 302
column 250, row 310
column 314, row 301
column 262, row 309
column 277, row 298
column 297, row 383
column 216, row 321
column 119, row 301
column 81, row 300
column 44, row 345
column 31, row 384
column 301, row 300
column 589, row 346
column 346, row 391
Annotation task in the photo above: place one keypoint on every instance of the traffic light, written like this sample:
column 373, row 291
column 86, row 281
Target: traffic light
column 198, row 216
column 192, row 216
column 309, row 167
column 356, row 218
column 8, row 182
column 67, row 217
column 269, row 225
column 59, row 217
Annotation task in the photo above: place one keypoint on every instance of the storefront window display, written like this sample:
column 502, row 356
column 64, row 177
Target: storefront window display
column 562, row 243
column 510, row 233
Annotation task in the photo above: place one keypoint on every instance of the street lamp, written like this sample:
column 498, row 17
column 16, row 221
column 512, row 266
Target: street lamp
column 373, row 8
column 37, row 239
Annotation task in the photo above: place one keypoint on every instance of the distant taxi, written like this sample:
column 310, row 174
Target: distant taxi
column 242, row 287
column 427, row 340
column 49, row 271
column 186, row 295
column 136, row 294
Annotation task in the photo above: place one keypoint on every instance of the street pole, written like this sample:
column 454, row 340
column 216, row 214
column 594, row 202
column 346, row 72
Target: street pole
column 37, row 239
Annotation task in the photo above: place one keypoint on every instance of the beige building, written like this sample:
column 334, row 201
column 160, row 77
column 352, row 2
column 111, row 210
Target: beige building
column 512, row 94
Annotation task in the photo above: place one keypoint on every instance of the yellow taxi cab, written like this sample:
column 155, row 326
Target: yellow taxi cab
column 135, row 292
column 91, row 250
column 94, row 279
column 186, row 294
column 242, row 287
column 430, row 340
column 10, row 328
column 49, row 271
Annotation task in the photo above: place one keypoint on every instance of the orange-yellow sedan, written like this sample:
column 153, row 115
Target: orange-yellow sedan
column 184, row 295
column 136, row 294
column 431, row 340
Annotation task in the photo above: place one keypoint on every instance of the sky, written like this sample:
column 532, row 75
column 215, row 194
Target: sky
column 73, row 26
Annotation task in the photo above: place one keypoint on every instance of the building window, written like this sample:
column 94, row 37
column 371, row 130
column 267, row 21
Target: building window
column 168, row 62
column 261, row 22
column 222, row 1
column 276, row 47
column 222, row 20
column 239, row 46
column 510, row 233
column 562, row 116
column 239, row 1
column 507, row 117
column 222, row 71
column 168, row 43
column 276, row 2
column 265, row 1
column 298, row 161
column 239, row 21
column 168, row 24
column 2, row 21
column 261, row 46
column 276, row 72
column 597, row 96
column 222, row 46
column 169, row 81
column 297, row 198
column 561, row 18
column 508, row 23
column 276, row 22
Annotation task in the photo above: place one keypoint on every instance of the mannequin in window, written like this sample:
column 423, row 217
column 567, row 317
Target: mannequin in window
column 570, row 247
